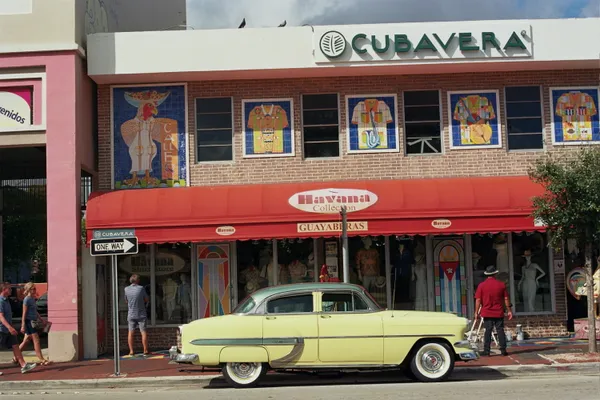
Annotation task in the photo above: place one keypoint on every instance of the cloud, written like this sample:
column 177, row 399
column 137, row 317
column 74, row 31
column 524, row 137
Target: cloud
column 214, row 14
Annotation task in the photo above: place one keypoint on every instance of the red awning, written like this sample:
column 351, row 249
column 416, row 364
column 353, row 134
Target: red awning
column 304, row 210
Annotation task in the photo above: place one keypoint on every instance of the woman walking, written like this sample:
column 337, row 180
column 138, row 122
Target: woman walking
column 31, row 314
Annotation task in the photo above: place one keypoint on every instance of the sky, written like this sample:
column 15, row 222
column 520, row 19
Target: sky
column 218, row 14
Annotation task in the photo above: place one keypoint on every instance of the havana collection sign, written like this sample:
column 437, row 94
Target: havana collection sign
column 331, row 201
column 383, row 43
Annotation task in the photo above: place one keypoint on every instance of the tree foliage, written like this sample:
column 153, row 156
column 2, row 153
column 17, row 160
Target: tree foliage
column 570, row 206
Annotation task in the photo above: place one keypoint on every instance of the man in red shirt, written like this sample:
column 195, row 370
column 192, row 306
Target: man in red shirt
column 491, row 299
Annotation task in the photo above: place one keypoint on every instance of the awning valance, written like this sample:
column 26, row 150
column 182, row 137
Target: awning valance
column 303, row 210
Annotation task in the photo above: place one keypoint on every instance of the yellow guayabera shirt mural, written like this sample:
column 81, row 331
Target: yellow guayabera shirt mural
column 267, row 122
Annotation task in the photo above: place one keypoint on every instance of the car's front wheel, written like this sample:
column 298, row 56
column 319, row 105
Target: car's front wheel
column 244, row 374
column 432, row 362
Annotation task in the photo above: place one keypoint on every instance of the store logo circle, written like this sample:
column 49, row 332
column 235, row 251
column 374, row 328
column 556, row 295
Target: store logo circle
column 332, row 44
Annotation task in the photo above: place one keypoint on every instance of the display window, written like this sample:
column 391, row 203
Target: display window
column 255, row 266
column 296, row 261
column 409, row 273
column 490, row 250
column 172, row 283
column 367, row 261
column 168, row 268
column 532, row 280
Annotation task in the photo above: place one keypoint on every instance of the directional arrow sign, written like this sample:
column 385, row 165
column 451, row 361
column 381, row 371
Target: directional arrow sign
column 114, row 246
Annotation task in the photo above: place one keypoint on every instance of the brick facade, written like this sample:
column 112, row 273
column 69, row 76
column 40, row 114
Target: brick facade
column 452, row 163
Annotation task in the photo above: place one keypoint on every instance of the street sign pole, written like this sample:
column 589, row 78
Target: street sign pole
column 114, row 247
column 115, row 313
column 345, row 254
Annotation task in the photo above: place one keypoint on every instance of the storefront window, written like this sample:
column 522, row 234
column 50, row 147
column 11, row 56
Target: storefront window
column 409, row 273
column 255, row 266
column 490, row 250
column 367, row 260
column 135, row 264
column 172, row 300
column 531, row 273
column 173, row 292
column 296, row 260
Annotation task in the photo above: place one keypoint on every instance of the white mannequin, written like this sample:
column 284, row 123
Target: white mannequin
column 529, row 282
column 169, row 288
column 420, row 275
column 185, row 296
column 501, row 247
column 367, row 262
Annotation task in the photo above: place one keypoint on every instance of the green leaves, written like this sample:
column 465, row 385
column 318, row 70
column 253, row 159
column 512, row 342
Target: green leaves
column 570, row 207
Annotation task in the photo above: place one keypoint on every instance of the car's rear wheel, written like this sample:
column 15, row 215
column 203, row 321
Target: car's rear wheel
column 244, row 374
column 432, row 362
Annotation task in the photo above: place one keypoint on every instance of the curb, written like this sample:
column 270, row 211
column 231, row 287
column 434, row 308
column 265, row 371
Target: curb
column 301, row 379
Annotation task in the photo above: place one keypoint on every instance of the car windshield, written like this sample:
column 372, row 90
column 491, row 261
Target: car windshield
column 245, row 306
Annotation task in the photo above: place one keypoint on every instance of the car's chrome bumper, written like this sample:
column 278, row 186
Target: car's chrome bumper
column 466, row 350
column 176, row 356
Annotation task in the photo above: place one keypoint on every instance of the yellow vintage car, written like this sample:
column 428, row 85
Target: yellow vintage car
column 323, row 326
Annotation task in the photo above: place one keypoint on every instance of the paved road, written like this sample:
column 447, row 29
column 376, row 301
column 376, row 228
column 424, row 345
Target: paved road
column 547, row 388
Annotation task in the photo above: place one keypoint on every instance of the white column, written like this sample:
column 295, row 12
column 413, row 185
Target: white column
column 275, row 271
column 388, row 274
column 469, row 268
column 316, row 260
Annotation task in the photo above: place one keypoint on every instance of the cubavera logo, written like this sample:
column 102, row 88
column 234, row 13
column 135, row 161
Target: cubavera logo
column 441, row 223
column 332, row 44
column 225, row 230
column 330, row 201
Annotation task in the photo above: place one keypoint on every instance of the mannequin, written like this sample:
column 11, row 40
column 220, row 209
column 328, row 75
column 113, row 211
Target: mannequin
column 529, row 282
column 403, row 266
column 367, row 262
column 297, row 271
column 420, row 275
column 170, row 289
column 501, row 247
column 185, row 297
column 251, row 277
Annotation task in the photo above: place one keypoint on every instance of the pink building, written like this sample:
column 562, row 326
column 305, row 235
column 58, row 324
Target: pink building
column 47, row 150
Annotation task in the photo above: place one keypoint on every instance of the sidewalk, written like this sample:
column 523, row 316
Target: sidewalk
column 527, row 358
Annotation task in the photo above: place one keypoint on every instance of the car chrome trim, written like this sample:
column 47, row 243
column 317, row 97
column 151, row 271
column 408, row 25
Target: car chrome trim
column 248, row 342
column 468, row 355
column 184, row 358
column 293, row 341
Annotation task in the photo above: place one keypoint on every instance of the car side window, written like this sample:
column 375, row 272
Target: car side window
column 343, row 302
column 291, row 304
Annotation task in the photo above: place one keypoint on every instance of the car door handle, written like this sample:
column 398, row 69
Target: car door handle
column 325, row 316
column 271, row 318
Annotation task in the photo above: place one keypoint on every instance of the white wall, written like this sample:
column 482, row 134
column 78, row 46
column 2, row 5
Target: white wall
column 46, row 25
column 566, row 40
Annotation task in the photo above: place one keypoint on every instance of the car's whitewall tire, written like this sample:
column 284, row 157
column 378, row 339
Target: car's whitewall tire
column 244, row 374
column 432, row 362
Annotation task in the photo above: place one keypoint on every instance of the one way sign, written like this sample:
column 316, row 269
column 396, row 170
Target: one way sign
column 114, row 246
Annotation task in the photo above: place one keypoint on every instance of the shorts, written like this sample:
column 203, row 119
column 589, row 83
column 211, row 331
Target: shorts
column 7, row 341
column 29, row 330
column 137, row 323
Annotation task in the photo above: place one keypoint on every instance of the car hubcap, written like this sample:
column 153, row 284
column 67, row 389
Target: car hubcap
column 244, row 370
column 432, row 361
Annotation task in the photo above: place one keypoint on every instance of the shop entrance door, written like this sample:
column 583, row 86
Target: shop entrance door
column 450, row 278
column 213, row 280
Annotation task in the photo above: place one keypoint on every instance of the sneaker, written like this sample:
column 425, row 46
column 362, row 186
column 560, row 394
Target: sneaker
column 27, row 367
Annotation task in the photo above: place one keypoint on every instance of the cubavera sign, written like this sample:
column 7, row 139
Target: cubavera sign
column 406, row 42
column 15, row 108
column 331, row 201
